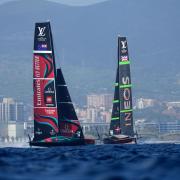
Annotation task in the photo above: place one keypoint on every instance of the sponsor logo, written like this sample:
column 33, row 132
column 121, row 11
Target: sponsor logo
column 128, row 116
column 38, row 92
column 117, row 129
column 41, row 35
column 50, row 111
column 123, row 46
column 127, row 100
column 49, row 99
column 52, row 132
column 124, row 58
column 126, row 93
column 38, row 132
column 66, row 129
column 125, row 80
column 42, row 46
column 49, row 91
column 42, row 39
column 41, row 31
column 36, row 67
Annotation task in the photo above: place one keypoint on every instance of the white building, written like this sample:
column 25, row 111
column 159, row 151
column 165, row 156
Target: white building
column 11, row 110
column 175, row 104
column 12, row 129
column 92, row 115
column 99, row 100
column 20, row 112
column 144, row 103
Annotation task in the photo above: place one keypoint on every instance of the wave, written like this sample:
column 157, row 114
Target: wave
column 101, row 162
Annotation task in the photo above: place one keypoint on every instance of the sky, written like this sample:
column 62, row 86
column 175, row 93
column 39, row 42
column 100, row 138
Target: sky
column 78, row 2
column 68, row 2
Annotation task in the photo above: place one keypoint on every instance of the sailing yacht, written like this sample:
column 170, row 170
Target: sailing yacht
column 55, row 120
column 121, row 126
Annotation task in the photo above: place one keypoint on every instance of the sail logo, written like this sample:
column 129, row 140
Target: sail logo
column 49, row 91
column 123, row 47
column 37, row 67
column 42, row 46
column 126, row 93
column 41, row 31
column 52, row 132
column 38, row 132
column 127, row 101
column 124, row 58
column 66, row 129
column 124, row 43
column 49, row 100
column 125, row 80
column 117, row 129
column 50, row 112
column 38, row 92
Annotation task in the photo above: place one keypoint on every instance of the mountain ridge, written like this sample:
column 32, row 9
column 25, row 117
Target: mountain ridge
column 85, row 38
column 64, row 2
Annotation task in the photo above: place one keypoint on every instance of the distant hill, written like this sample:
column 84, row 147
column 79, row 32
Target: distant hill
column 85, row 42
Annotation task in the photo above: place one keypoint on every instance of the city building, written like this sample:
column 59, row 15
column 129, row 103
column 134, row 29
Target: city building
column 92, row 115
column 99, row 100
column 20, row 112
column 81, row 114
column 142, row 103
column 10, row 110
column 98, row 109
column 105, row 116
column 175, row 104
column 12, row 130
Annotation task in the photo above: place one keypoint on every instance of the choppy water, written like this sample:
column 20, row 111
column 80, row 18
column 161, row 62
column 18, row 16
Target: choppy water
column 103, row 162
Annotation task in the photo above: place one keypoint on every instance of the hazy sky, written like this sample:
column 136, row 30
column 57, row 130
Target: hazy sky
column 68, row 2
column 78, row 2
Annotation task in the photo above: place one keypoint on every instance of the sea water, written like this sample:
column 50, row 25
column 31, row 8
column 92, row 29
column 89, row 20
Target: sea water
column 98, row 162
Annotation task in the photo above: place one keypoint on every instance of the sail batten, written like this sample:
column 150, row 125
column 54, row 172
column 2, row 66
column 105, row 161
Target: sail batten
column 65, row 102
column 41, row 52
column 62, row 85
column 124, row 62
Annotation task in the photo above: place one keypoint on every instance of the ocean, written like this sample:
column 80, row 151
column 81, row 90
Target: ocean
column 98, row 162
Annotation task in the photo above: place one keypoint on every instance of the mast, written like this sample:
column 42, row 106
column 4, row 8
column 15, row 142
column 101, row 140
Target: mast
column 45, row 104
column 122, row 115
column 68, row 121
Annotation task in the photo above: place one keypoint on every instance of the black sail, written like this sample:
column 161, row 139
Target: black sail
column 115, row 123
column 122, row 115
column 65, row 107
column 68, row 121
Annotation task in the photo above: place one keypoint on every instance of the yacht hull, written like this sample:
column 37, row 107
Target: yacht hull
column 119, row 140
column 62, row 142
column 55, row 144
